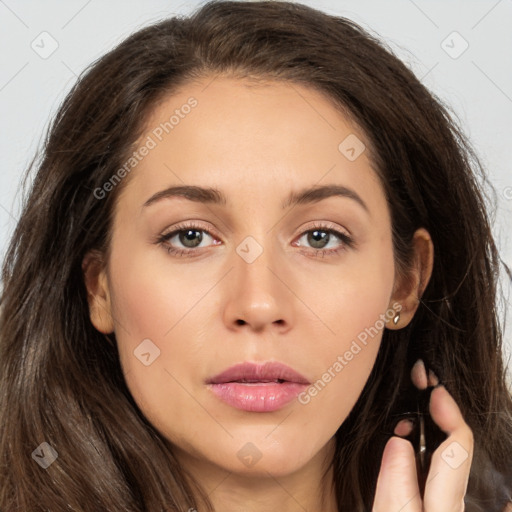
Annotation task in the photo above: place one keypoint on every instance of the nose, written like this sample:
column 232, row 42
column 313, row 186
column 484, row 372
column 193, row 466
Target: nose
column 259, row 296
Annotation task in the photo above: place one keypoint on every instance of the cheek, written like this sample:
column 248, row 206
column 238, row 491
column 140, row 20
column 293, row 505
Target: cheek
column 150, row 303
column 357, row 293
column 355, row 308
column 150, row 295
column 147, row 302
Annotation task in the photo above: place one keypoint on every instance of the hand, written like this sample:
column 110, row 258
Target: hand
column 397, row 484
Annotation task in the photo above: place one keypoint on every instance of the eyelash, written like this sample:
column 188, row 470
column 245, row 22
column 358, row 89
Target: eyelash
column 347, row 241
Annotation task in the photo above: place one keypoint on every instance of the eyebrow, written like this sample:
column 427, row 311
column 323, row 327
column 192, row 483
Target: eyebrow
column 212, row 195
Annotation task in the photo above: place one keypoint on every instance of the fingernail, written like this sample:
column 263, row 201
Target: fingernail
column 404, row 427
column 432, row 378
column 419, row 375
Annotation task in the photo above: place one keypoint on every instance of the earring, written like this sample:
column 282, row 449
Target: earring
column 396, row 319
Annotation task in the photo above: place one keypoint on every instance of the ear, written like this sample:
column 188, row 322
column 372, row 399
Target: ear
column 409, row 289
column 98, row 293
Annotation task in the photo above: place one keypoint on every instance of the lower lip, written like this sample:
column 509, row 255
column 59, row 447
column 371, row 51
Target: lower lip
column 258, row 397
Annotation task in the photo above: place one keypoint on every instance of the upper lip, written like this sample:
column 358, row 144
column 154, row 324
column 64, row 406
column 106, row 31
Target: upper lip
column 258, row 372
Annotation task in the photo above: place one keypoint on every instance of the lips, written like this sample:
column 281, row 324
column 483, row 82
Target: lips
column 258, row 387
column 259, row 373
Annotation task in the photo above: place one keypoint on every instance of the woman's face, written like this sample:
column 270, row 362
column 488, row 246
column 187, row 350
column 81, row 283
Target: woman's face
column 263, row 277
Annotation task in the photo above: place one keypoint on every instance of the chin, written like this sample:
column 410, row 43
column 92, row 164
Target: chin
column 261, row 457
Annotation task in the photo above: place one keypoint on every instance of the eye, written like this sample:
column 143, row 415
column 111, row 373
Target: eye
column 184, row 239
column 325, row 239
column 190, row 238
column 187, row 239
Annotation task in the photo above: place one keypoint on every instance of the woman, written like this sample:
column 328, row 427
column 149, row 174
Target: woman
column 253, row 247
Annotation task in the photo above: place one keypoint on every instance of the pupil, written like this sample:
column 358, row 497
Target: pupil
column 318, row 237
column 188, row 239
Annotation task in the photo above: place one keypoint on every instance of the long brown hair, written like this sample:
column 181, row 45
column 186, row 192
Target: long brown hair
column 61, row 382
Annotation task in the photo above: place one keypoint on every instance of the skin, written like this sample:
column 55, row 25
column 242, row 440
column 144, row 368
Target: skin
column 257, row 142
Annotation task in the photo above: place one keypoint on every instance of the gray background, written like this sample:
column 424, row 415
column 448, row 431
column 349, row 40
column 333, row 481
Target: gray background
column 475, row 81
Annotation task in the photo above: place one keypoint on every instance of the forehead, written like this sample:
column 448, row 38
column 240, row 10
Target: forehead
column 241, row 135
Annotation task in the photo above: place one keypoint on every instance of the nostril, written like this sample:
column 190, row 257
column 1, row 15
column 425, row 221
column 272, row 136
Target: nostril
column 240, row 322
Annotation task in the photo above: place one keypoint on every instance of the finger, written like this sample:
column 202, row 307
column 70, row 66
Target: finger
column 404, row 428
column 451, row 462
column 419, row 375
column 397, row 484
column 432, row 378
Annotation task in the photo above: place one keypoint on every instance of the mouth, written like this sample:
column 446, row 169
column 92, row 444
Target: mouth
column 244, row 381
column 255, row 387
column 254, row 373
